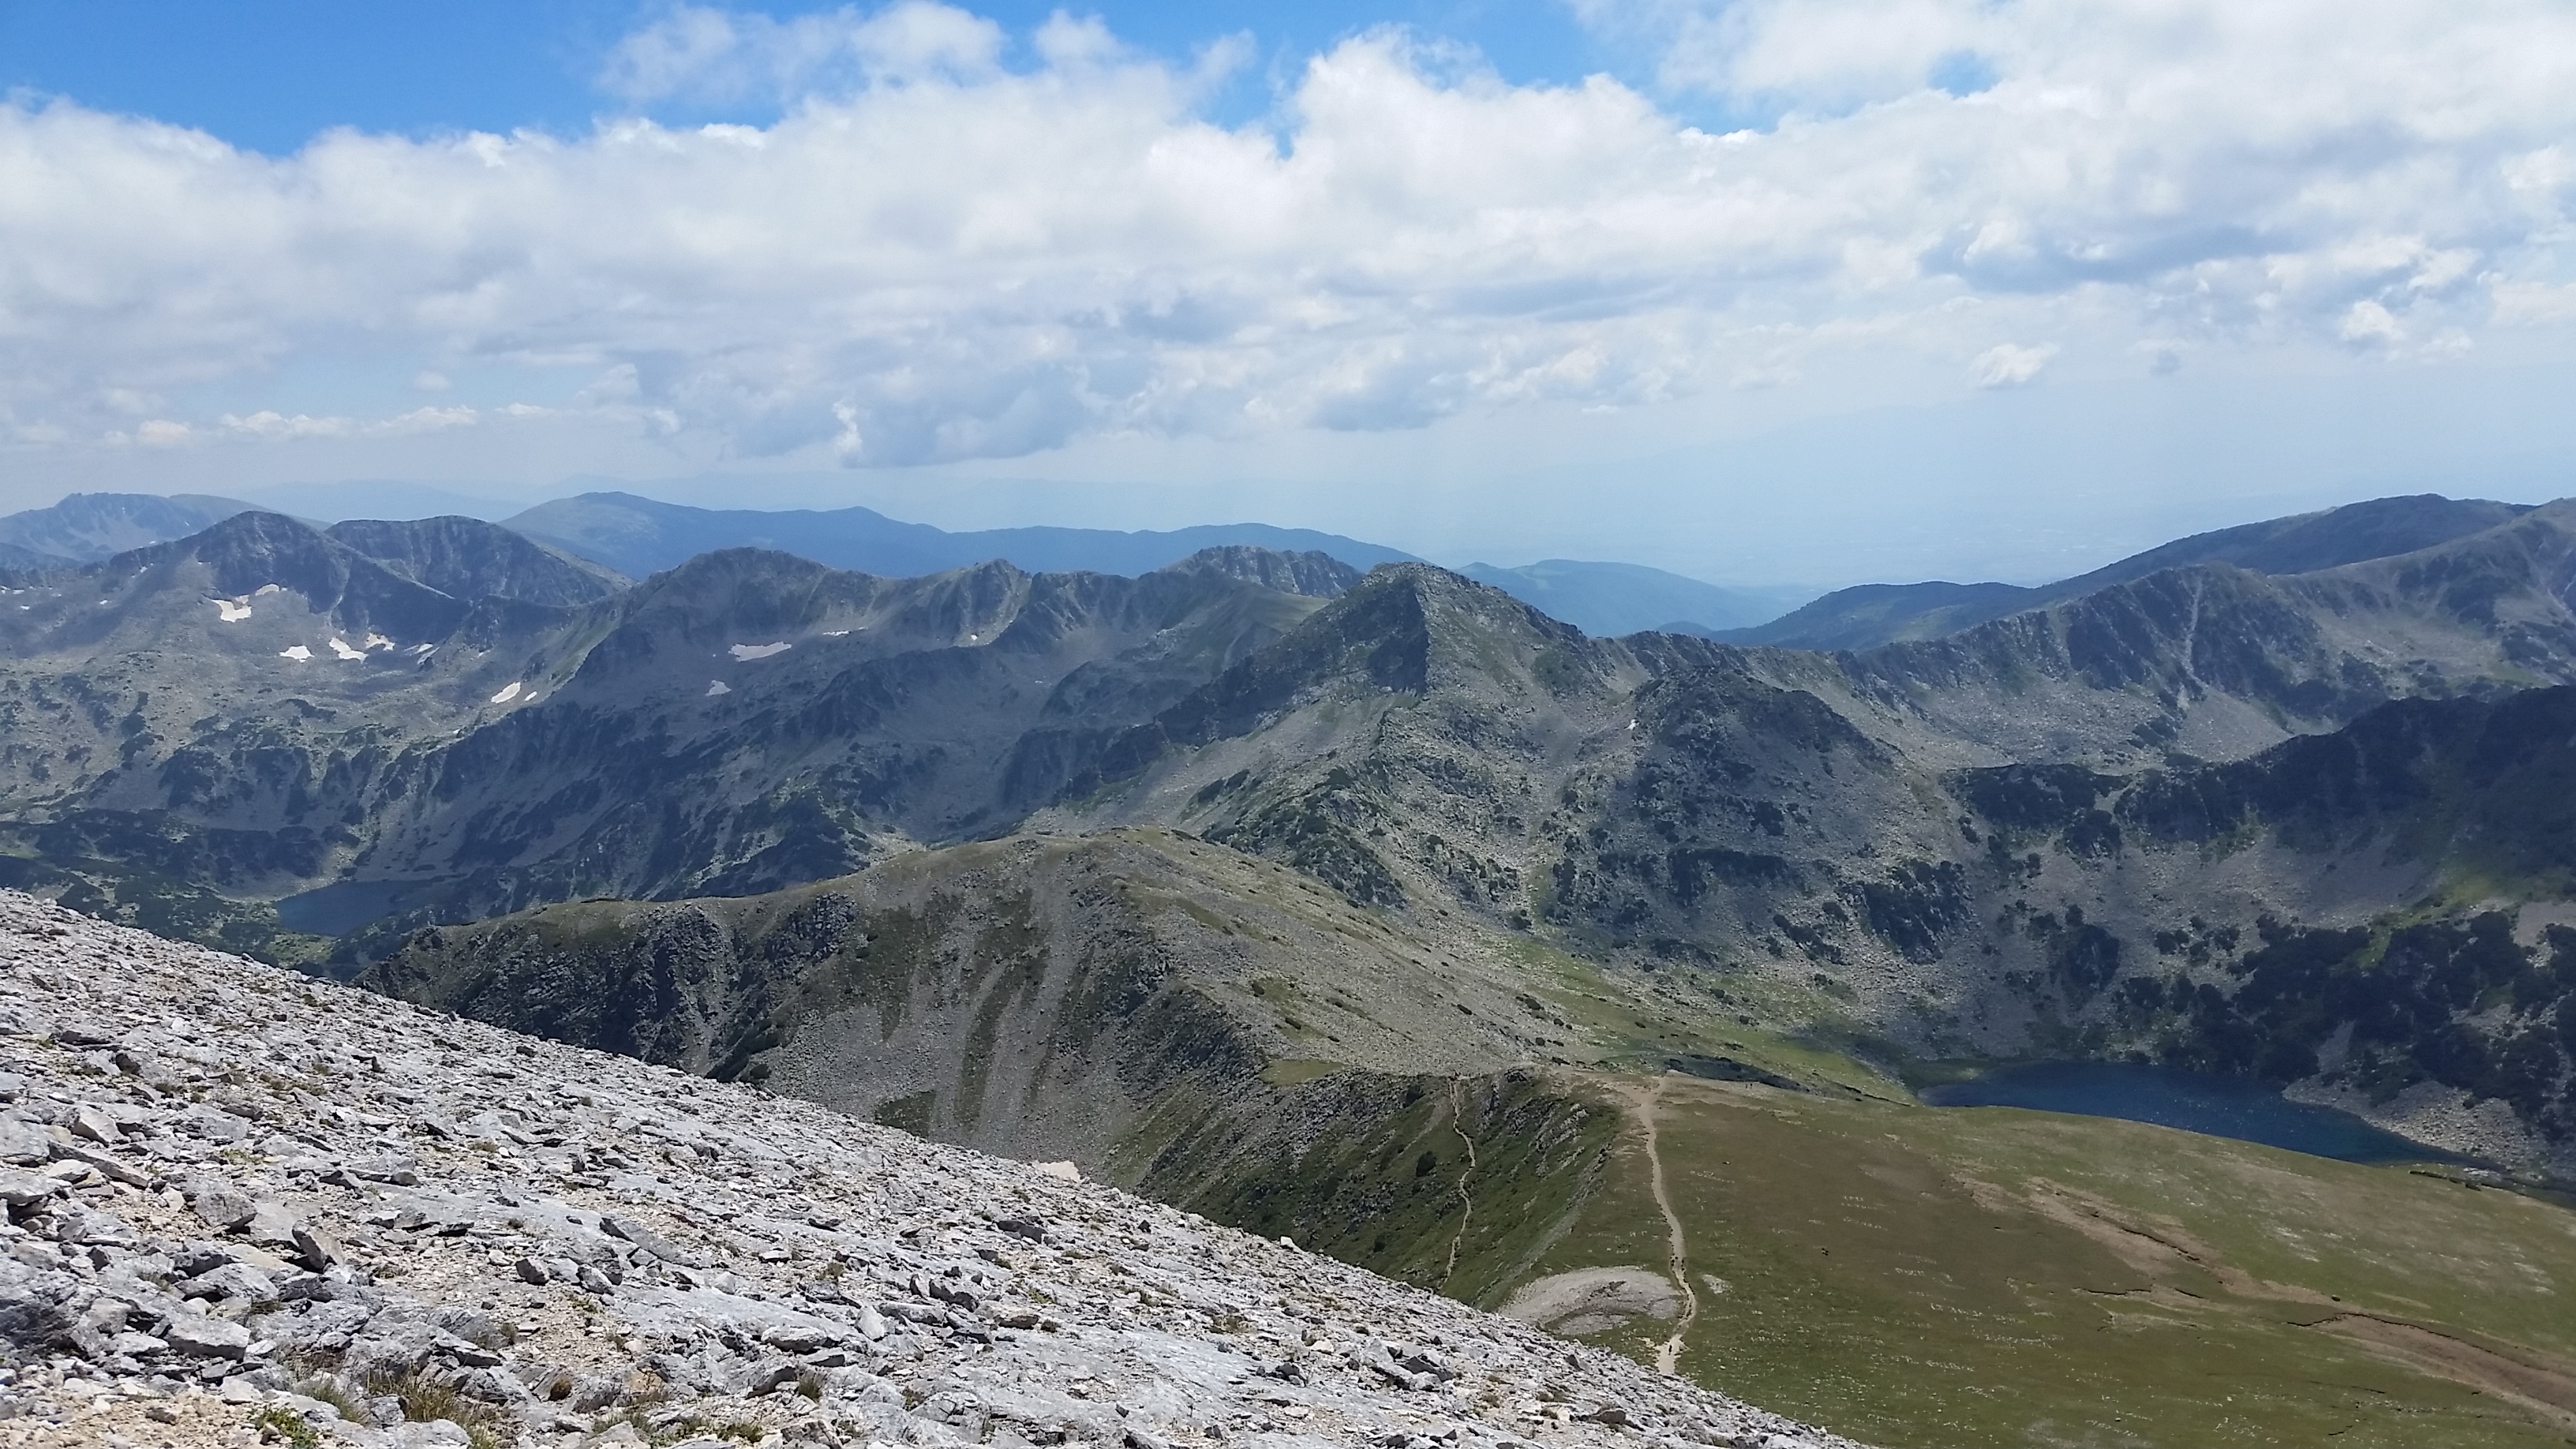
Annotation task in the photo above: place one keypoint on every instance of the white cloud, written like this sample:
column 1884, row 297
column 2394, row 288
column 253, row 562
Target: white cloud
column 710, row 55
column 2005, row 365
column 275, row 426
column 935, row 256
column 2530, row 303
column 2366, row 323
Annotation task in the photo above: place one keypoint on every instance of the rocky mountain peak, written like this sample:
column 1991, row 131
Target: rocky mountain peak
column 471, row 559
column 1308, row 572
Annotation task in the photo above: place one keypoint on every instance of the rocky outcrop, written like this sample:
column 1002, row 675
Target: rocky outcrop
column 244, row 1205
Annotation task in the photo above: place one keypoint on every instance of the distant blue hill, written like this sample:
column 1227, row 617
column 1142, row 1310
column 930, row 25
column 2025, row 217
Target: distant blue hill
column 639, row 536
column 1873, row 614
column 1607, row 600
column 87, row 527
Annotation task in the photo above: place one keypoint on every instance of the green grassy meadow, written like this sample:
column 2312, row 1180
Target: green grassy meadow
column 1960, row 1277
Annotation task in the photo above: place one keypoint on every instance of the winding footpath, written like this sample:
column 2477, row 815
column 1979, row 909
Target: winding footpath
column 1668, row 1354
column 1466, row 1199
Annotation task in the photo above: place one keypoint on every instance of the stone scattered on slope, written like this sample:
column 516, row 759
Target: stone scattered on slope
column 246, row 1207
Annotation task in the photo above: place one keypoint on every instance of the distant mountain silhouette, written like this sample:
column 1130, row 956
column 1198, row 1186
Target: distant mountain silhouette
column 1607, row 600
column 1874, row 614
column 640, row 536
column 87, row 527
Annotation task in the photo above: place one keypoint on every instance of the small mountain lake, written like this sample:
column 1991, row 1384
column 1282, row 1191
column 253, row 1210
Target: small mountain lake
column 2192, row 1101
column 342, row 907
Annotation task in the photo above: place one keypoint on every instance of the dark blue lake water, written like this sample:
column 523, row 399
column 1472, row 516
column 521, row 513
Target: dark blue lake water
column 338, row 909
column 2192, row 1101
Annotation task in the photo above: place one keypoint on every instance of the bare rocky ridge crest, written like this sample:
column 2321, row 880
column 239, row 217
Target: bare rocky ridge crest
column 245, row 1205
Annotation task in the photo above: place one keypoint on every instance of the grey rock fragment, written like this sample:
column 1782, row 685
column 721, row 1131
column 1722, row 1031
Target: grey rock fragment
column 271, row 1225
column 22, row 1190
column 24, row 1143
column 647, row 1239
column 201, row 1336
column 221, row 1206
column 316, row 1249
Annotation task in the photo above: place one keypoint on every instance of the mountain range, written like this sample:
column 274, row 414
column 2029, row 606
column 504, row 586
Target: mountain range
column 1186, row 873
column 87, row 527
column 635, row 537
column 383, row 724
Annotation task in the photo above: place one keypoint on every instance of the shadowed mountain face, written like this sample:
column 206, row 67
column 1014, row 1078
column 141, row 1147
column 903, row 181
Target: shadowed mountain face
column 1874, row 614
column 87, row 527
column 639, row 536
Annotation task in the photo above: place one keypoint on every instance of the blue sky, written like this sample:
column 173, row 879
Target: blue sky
column 1764, row 291
column 272, row 74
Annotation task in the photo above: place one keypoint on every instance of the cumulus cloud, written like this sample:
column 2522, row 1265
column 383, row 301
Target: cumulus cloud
column 938, row 252
column 2005, row 365
column 713, row 56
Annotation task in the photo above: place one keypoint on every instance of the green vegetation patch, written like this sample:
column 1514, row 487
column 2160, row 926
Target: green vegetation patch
column 1918, row 1276
column 1450, row 1184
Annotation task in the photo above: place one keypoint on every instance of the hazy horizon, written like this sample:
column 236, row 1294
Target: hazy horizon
column 1772, row 292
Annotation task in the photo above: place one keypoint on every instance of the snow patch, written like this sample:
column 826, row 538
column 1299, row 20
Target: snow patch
column 232, row 611
column 264, row 590
column 377, row 641
column 508, row 692
column 836, row 633
column 298, row 652
column 716, row 687
column 745, row 653
column 422, row 650
column 341, row 647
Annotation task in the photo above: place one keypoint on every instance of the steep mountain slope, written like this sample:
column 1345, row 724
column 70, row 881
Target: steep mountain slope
column 1807, row 825
column 264, row 711
column 1610, row 599
column 1865, row 616
column 87, row 527
column 202, row 719
column 1034, row 996
column 298, row 1214
column 471, row 559
column 1816, row 824
column 750, row 720
column 1313, row 575
column 753, row 720
column 1220, row 1035
column 17, row 560
column 639, row 536
column 1875, row 614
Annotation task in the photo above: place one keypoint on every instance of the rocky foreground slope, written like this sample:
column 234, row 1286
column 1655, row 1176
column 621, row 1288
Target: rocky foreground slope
column 247, row 1207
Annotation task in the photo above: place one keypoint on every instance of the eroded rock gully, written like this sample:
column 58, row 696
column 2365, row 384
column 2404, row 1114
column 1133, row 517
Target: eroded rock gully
column 243, row 1206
